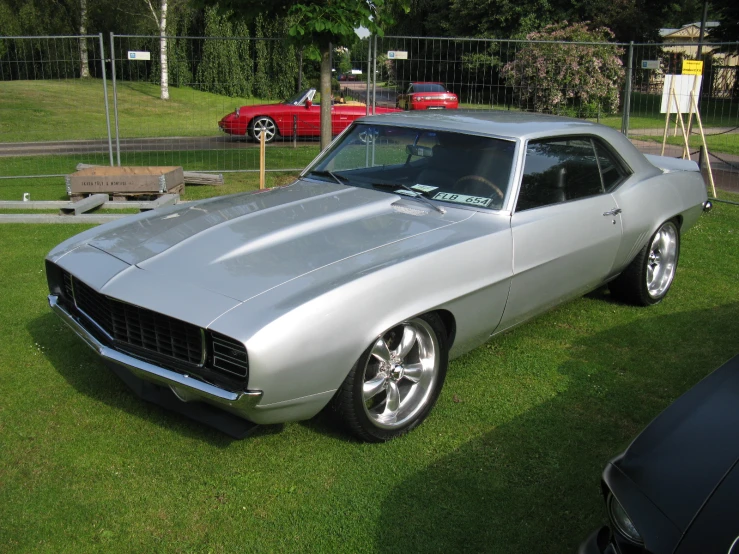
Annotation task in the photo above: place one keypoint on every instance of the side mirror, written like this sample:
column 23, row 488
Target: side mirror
column 308, row 103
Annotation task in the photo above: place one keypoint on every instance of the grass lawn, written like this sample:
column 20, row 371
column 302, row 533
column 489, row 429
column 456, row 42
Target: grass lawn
column 75, row 109
column 233, row 159
column 720, row 144
column 509, row 460
column 53, row 188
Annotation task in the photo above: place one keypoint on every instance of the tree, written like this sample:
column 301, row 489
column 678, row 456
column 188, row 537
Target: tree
column 225, row 67
column 728, row 29
column 578, row 79
column 84, row 64
column 425, row 18
column 160, row 18
column 636, row 20
column 323, row 23
column 342, row 60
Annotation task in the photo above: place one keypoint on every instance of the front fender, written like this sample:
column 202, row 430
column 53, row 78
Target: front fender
column 304, row 336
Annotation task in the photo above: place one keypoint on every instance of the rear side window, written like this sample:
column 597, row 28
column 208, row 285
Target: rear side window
column 558, row 170
column 612, row 172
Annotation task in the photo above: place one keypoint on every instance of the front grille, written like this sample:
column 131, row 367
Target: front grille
column 68, row 290
column 139, row 327
column 229, row 355
column 161, row 339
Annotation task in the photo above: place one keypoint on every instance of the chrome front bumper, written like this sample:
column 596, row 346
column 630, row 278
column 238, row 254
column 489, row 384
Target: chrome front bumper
column 184, row 387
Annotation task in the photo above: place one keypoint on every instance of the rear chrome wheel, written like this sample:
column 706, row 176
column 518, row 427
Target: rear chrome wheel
column 662, row 260
column 648, row 277
column 396, row 382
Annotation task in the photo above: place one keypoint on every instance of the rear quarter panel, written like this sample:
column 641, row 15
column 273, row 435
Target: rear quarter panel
column 648, row 203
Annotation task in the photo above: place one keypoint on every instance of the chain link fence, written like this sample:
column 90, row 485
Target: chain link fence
column 208, row 78
column 53, row 104
column 52, row 118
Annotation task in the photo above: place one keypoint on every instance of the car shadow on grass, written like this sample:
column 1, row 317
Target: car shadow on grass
column 532, row 483
column 84, row 371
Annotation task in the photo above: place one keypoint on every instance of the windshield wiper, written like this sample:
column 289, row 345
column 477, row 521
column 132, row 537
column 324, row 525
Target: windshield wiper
column 335, row 176
column 416, row 194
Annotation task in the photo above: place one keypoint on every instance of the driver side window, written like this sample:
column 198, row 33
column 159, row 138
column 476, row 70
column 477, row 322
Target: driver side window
column 559, row 170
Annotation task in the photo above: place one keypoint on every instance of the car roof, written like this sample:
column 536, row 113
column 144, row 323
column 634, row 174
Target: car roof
column 512, row 125
column 499, row 123
column 426, row 83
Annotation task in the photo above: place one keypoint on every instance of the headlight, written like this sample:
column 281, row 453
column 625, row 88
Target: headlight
column 622, row 521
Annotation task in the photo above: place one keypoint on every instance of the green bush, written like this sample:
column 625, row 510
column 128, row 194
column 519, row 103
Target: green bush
column 563, row 75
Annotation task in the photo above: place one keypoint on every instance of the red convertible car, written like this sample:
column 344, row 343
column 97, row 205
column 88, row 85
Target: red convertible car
column 427, row 96
column 279, row 120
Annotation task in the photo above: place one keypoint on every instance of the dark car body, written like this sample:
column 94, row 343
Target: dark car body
column 427, row 96
column 678, row 482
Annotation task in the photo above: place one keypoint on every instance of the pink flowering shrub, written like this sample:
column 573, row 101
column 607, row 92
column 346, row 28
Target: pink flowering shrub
column 561, row 76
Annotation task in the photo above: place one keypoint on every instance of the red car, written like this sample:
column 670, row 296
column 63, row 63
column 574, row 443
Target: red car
column 278, row 120
column 427, row 96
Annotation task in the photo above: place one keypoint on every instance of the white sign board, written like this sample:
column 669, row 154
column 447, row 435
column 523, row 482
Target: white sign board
column 397, row 55
column 683, row 87
column 135, row 55
column 650, row 64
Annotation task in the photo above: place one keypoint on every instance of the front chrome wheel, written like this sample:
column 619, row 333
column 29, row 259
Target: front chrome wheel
column 395, row 383
column 662, row 260
column 264, row 125
column 400, row 374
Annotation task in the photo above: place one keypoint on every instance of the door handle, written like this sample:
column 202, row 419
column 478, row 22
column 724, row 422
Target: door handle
column 614, row 211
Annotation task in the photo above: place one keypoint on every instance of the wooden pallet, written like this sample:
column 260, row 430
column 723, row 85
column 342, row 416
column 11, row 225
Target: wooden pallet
column 133, row 196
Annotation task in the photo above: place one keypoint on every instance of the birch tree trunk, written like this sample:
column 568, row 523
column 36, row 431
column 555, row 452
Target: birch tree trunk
column 163, row 51
column 161, row 21
column 84, row 64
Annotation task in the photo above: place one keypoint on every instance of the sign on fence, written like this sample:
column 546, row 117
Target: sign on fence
column 136, row 55
column 650, row 64
column 692, row 67
column 397, row 55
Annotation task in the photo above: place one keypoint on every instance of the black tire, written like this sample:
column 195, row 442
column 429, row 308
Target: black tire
column 265, row 123
column 648, row 278
column 364, row 415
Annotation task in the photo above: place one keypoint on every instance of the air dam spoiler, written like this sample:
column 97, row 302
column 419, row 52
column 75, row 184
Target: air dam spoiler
column 171, row 390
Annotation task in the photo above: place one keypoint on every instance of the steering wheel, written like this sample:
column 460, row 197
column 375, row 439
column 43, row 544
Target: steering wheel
column 484, row 181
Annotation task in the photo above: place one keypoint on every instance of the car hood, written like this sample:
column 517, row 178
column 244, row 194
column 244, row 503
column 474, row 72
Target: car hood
column 243, row 245
column 680, row 458
column 716, row 528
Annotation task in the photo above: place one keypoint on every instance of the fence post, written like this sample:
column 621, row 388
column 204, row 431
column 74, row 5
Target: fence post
column 295, row 131
column 115, row 102
column 369, row 74
column 627, row 91
column 374, row 80
column 105, row 93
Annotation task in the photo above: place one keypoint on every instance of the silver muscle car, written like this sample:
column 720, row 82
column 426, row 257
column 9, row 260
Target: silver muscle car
column 408, row 242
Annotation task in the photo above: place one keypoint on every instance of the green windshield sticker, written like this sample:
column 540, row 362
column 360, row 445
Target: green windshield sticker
column 463, row 199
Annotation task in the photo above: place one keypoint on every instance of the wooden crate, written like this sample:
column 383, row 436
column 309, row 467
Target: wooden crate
column 126, row 181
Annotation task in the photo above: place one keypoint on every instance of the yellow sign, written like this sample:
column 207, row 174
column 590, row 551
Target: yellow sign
column 692, row 67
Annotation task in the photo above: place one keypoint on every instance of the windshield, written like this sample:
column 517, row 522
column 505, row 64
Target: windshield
column 445, row 166
column 298, row 99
